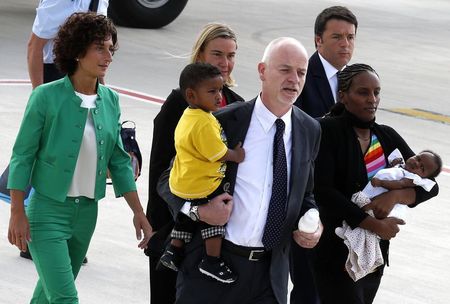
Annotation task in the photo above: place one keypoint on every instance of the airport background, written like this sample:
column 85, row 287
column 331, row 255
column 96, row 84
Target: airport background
column 405, row 41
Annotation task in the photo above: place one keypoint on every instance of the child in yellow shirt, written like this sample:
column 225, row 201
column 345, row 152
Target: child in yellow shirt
column 199, row 168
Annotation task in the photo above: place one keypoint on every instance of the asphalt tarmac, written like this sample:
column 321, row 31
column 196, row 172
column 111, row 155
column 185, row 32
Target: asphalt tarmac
column 407, row 42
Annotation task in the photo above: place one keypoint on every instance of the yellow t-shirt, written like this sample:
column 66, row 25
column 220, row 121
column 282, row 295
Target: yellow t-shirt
column 199, row 143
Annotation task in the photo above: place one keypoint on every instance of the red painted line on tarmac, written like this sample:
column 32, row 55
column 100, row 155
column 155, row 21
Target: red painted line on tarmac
column 123, row 91
column 132, row 94
column 137, row 95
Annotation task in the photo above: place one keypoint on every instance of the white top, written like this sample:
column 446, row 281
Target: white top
column 330, row 71
column 51, row 14
column 253, row 187
column 83, row 181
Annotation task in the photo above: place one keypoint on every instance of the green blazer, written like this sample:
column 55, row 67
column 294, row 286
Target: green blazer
column 47, row 145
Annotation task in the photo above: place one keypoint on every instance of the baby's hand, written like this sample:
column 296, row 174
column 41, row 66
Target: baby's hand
column 376, row 182
column 395, row 162
column 240, row 153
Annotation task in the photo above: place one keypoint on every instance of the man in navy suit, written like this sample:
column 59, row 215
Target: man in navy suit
column 262, row 266
column 335, row 33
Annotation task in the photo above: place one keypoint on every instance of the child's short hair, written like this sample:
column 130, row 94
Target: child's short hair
column 437, row 161
column 193, row 74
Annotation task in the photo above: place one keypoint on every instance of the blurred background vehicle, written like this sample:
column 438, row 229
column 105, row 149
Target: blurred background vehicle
column 150, row 14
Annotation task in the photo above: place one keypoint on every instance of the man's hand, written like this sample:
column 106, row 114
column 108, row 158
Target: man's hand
column 217, row 212
column 308, row 240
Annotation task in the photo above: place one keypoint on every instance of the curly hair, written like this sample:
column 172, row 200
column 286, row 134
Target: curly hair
column 75, row 36
column 195, row 73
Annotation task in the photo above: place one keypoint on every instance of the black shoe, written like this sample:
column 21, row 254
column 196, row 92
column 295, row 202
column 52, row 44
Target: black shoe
column 26, row 255
column 171, row 258
column 217, row 270
column 85, row 261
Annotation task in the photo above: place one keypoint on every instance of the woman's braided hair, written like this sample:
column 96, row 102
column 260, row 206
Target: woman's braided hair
column 345, row 79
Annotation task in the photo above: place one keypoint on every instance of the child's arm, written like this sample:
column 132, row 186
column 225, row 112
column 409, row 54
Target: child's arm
column 236, row 155
column 393, row 184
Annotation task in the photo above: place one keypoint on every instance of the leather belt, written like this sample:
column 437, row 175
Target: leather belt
column 253, row 254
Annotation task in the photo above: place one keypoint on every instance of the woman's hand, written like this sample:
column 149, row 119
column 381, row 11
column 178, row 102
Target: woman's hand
column 19, row 230
column 387, row 228
column 308, row 240
column 141, row 223
column 383, row 203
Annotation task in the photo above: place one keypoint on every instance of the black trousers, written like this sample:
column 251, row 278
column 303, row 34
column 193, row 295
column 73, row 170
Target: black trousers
column 252, row 286
column 336, row 286
column 304, row 291
column 51, row 73
column 162, row 283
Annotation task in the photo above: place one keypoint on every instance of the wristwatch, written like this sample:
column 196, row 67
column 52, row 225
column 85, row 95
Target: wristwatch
column 193, row 213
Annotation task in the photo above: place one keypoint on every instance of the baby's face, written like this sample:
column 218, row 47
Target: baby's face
column 422, row 164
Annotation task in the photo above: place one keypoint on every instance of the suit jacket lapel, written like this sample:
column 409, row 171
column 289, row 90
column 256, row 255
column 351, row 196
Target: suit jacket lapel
column 235, row 125
column 321, row 81
column 298, row 146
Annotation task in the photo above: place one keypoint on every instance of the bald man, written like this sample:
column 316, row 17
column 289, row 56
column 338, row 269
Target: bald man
column 282, row 141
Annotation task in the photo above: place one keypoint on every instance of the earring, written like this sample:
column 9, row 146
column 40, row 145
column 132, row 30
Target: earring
column 76, row 59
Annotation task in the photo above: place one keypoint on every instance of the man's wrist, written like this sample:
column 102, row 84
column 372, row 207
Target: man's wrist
column 193, row 214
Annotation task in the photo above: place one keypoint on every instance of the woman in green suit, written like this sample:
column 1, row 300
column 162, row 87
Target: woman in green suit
column 69, row 137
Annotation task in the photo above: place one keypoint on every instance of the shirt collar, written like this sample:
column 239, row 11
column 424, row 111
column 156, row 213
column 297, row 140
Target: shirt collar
column 267, row 118
column 330, row 70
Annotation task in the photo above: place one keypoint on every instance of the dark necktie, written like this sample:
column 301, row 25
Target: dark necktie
column 277, row 206
column 93, row 6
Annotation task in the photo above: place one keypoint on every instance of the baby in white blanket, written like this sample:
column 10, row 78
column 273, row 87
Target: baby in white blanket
column 363, row 245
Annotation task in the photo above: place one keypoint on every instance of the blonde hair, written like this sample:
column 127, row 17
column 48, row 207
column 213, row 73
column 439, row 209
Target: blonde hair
column 210, row 32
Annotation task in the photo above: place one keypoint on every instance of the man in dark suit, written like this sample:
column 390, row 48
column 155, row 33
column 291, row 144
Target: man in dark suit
column 335, row 32
column 277, row 138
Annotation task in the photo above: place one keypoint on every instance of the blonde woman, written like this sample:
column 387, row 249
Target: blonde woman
column 216, row 45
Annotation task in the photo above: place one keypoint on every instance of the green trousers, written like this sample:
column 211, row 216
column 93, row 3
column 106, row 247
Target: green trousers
column 60, row 236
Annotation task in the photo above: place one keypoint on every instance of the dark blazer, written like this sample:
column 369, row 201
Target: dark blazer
column 340, row 172
column 235, row 121
column 316, row 98
column 163, row 150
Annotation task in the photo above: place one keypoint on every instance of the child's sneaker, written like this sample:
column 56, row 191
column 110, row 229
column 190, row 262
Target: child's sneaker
column 217, row 269
column 171, row 258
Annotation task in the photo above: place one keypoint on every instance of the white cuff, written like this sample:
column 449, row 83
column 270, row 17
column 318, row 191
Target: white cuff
column 186, row 208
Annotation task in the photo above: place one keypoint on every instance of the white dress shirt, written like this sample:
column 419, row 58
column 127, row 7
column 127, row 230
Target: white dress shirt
column 253, row 187
column 83, row 181
column 51, row 14
column 330, row 71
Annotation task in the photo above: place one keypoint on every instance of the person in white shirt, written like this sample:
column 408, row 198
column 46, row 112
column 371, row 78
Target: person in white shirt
column 50, row 15
column 365, row 254
column 270, row 189
column 334, row 37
